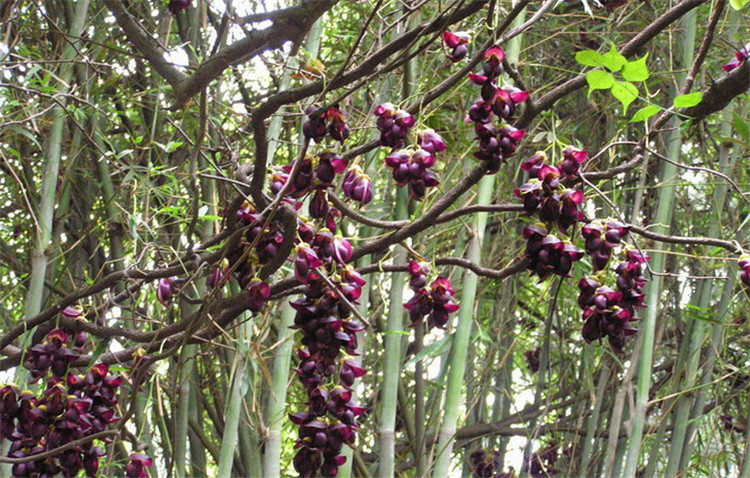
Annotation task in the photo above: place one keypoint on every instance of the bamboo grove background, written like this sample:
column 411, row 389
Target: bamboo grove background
column 128, row 131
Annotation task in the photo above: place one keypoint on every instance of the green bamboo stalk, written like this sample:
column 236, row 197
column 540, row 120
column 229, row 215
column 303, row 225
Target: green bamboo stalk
column 235, row 404
column 392, row 356
column 459, row 348
column 276, row 404
column 53, row 153
column 182, row 413
column 727, row 163
column 665, row 206
column 593, row 423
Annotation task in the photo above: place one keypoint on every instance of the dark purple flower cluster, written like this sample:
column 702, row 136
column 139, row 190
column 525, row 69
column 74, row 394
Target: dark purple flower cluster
column 435, row 302
column 413, row 168
column 496, row 143
column 457, row 44
column 541, row 463
column 328, row 331
column 601, row 238
column 486, row 465
column 545, row 195
column 609, row 313
column 546, row 254
column 321, row 121
column 357, row 186
column 177, row 5
column 393, row 124
column 70, row 408
column 744, row 264
column 266, row 239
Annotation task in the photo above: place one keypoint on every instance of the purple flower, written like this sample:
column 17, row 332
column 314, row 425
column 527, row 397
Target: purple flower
column 164, row 290
column 137, row 465
column 357, row 186
column 430, row 141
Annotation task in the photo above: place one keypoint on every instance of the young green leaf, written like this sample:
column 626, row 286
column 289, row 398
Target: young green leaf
column 644, row 113
column 738, row 4
column 589, row 58
column 688, row 100
column 636, row 70
column 626, row 92
column 613, row 60
column 599, row 80
column 741, row 126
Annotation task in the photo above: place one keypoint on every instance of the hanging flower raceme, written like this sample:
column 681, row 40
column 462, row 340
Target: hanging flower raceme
column 456, row 43
column 393, row 124
column 328, row 421
column 609, row 313
column 70, row 408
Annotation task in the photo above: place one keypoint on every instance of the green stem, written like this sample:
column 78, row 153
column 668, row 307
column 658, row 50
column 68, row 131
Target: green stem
column 459, row 348
column 665, row 207
column 276, row 404
column 392, row 356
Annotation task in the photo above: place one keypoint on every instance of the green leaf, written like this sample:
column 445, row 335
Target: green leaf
column 625, row 92
column 636, row 70
column 599, row 80
column 688, row 100
column 613, row 60
column 644, row 113
column 738, row 4
column 431, row 351
column 589, row 58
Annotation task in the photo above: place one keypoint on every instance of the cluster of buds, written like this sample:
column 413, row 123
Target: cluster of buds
column 457, row 44
column 601, row 238
column 739, row 56
column 328, row 331
column 610, row 313
column 413, row 168
column 496, row 143
column 487, row 465
column 322, row 121
column 394, row 125
column 546, row 254
column 178, row 5
column 435, row 302
column 357, row 185
column 541, row 463
column 70, row 408
column 545, row 195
